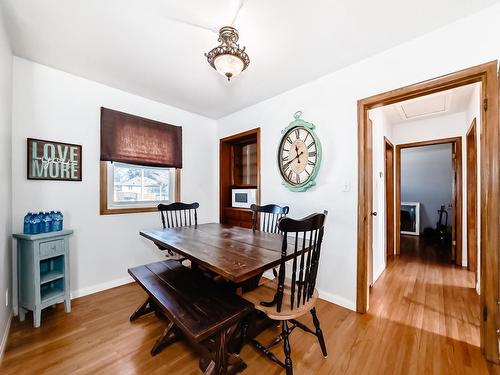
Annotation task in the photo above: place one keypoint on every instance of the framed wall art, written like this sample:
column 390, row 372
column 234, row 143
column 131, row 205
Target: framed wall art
column 50, row 160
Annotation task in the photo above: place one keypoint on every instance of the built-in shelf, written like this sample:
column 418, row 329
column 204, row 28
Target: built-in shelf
column 244, row 186
column 237, row 209
column 239, row 169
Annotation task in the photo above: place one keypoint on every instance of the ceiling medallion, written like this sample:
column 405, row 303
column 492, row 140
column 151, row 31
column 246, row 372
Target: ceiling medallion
column 228, row 58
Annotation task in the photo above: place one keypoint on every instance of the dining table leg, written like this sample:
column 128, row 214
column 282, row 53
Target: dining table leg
column 222, row 361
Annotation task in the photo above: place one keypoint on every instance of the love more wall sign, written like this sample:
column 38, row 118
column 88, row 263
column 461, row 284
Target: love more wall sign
column 48, row 160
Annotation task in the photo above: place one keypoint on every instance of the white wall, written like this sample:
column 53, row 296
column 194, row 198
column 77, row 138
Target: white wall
column 382, row 128
column 330, row 103
column 445, row 126
column 50, row 104
column 426, row 177
column 5, row 179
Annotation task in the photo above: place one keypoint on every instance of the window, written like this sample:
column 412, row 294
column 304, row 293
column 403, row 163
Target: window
column 134, row 185
column 140, row 164
column 133, row 188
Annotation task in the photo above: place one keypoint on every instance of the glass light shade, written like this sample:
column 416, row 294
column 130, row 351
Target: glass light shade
column 228, row 65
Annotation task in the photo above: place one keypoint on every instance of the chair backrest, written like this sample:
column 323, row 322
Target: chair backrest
column 269, row 217
column 307, row 236
column 178, row 214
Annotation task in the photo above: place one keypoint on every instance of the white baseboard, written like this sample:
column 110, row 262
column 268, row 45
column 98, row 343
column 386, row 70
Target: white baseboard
column 3, row 343
column 333, row 298
column 100, row 287
column 337, row 300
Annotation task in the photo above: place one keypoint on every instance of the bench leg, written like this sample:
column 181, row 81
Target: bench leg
column 169, row 336
column 144, row 309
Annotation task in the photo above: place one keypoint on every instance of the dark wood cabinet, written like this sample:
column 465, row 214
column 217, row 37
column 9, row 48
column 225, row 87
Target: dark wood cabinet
column 239, row 167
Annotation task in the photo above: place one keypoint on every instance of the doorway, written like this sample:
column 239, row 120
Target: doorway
column 486, row 74
column 455, row 201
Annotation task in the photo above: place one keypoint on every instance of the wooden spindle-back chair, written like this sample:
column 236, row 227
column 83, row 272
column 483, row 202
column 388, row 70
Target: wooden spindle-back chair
column 285, row 299
column 178, row 214
column 269, row 216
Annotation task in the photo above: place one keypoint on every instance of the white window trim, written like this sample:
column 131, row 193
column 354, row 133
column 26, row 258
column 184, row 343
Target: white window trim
column 112, row 205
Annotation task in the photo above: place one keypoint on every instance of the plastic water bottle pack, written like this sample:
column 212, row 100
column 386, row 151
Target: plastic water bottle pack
column 43, row 222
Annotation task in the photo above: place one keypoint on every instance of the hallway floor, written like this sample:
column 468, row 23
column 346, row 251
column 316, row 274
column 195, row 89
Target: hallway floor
column 437, row 304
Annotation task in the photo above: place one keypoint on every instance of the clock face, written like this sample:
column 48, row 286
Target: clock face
column 298, row 156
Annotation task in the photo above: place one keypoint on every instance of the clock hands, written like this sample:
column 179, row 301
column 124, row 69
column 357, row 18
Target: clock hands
column 290, row 161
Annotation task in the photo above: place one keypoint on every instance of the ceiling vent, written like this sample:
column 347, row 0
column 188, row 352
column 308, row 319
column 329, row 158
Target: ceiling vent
column 425, row 106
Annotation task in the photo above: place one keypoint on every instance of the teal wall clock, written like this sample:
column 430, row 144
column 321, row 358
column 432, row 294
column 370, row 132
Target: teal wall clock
column 299, row 154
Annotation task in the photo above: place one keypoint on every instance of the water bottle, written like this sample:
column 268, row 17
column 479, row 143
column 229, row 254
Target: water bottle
column 35, row 223
column 57, row 224
column 47, row 223
column 27, row 219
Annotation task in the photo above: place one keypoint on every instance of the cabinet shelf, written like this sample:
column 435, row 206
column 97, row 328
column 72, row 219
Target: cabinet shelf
column 51, row 276
column 53, row 293
column 51, row 290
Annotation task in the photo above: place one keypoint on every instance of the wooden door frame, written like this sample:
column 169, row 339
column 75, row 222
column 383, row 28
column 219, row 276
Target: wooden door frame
column 389, row 207
column 471, row 184
column 486, row 74
column 457, row 192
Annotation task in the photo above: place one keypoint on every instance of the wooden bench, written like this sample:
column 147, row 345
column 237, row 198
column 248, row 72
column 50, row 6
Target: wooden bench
column 203, row 312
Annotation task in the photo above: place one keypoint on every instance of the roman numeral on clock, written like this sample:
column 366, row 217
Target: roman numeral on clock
column 297, row 133
column 312, row 154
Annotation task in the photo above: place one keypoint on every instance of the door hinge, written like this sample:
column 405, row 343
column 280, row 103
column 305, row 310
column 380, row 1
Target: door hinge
column 485, row 104
column 485, row 313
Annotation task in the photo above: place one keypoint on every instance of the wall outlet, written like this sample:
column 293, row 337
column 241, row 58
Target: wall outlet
column 7, row 297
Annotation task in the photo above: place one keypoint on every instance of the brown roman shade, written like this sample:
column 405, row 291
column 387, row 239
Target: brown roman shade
column 136, row 140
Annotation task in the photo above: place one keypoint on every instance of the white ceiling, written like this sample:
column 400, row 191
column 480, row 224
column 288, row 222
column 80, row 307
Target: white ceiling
column 442, row 103
column 141, row 47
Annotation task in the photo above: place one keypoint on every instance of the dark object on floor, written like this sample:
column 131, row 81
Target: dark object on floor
column 442, row 227
column 406, row 221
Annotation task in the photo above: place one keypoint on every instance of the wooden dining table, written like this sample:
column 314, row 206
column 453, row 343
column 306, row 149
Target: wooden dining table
column 236, row 254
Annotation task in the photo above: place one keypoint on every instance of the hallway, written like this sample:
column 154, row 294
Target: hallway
column 436, row 303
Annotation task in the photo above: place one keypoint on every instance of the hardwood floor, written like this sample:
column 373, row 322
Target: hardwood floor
column 423, row 318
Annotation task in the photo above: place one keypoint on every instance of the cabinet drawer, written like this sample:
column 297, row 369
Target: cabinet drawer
column 51, row 248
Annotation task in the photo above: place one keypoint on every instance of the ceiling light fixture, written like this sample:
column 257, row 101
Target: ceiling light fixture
column 228, row 58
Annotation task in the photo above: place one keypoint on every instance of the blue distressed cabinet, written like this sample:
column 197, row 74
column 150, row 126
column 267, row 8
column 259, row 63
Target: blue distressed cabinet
column 43, row 272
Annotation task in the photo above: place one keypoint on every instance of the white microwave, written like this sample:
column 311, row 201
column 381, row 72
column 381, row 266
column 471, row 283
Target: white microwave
column 244, row 198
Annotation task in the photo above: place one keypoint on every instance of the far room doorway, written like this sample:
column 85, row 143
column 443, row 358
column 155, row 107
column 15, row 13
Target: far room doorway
column 429, row 200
